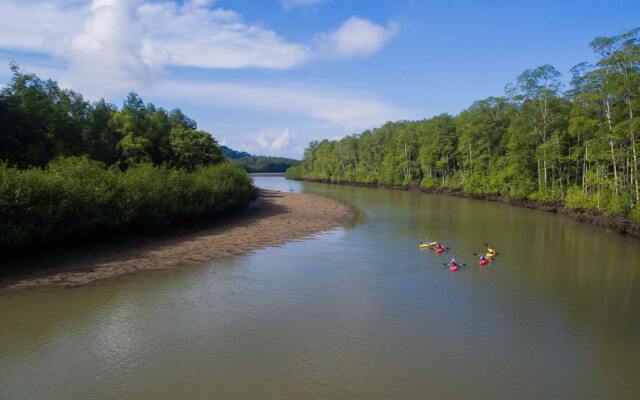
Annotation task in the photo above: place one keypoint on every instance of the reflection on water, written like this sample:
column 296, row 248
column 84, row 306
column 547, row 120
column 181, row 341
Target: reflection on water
column 353, row 313
column 274, row 182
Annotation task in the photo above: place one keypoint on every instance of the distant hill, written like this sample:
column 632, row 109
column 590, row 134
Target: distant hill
column 253, row 163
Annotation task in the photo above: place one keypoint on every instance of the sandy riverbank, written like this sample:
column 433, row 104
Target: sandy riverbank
column 275, row 218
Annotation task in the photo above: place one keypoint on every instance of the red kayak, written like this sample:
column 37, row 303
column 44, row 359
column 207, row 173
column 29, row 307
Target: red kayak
column 439, row 250
column 454, row 267
column 483, row 261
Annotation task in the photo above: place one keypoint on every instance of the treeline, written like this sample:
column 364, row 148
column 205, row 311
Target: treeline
column 70, row 168
column 578, row 146
column 253, row 164
column 39, row 121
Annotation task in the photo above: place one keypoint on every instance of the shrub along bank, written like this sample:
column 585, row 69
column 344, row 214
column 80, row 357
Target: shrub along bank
column 71, row 168
column 76, row 197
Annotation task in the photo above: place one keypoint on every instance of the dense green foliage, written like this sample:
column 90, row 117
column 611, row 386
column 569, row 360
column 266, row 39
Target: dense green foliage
column 233, row 154
column 40, row 121
column 78, row 197
column 578, row 147
column 70, row 168
column 253, row 164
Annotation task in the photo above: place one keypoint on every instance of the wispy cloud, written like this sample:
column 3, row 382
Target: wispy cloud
column 104, row 48
column 281, row 142
column 194, row 35
column 355, row 37
column 269, row 141
column 345, row 109
column 136, row 37
column 123, row 41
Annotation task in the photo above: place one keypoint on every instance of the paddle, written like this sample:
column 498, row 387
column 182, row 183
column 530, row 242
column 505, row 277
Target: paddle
column 487, row 245
column 459, row 265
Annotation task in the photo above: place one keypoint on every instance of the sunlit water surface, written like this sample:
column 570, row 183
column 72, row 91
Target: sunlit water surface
column 356, row 313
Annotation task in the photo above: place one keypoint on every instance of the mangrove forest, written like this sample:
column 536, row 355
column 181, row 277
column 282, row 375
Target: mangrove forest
column 573, row 142
column 71, row 168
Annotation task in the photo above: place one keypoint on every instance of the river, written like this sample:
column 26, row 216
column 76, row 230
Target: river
column 356, row 313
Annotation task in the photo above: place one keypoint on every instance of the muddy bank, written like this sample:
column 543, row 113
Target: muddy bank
column 615, row 223
column 275, row 218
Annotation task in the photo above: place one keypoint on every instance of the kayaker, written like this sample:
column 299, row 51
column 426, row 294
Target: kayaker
column 483, row 258
column 491, row 250
column 453, row 262
column 439, row 248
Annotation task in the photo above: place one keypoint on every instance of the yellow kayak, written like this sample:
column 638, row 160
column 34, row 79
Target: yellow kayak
column 428, row 245
column 491, row 254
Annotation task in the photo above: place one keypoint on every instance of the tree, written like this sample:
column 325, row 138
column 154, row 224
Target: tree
column 192, row 148
column 535, row 89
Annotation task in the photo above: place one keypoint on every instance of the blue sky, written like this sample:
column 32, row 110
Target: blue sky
column 269, row 76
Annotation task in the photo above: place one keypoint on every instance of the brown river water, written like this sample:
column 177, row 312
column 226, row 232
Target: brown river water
column 356, row 313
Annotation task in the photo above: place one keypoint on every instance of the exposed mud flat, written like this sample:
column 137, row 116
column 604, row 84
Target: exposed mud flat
column 275, row 218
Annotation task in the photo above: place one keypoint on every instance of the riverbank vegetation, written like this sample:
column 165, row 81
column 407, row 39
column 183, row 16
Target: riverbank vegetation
column 265, row 164
column 70, row 168
column 576, row 147
column 254, row 164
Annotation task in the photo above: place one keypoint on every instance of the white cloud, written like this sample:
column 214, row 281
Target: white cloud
column 111, row 44
column 266, row 142
column 120, row 42
column 281, row 141
column 270, row 141
column 355, row 37
column 104, row 47
column 193, row 35
column 262, row 140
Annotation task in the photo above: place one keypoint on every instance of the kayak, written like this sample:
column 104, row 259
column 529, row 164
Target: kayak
column 483, row 261
column 454, row 267
column 490, row 255
column 428, row 245
column 439, row 250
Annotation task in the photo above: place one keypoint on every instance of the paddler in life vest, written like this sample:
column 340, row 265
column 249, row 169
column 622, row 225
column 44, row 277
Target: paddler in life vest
column 491, row 251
